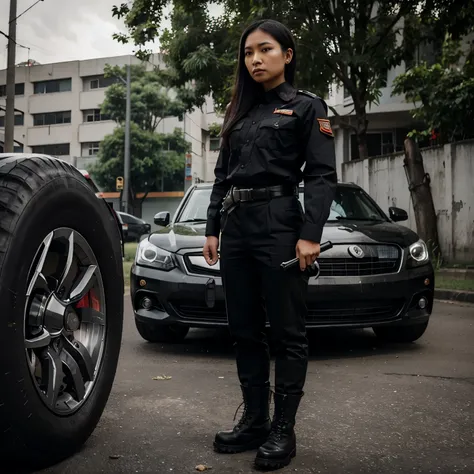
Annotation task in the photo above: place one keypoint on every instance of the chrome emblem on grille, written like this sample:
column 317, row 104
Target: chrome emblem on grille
column 356, row 252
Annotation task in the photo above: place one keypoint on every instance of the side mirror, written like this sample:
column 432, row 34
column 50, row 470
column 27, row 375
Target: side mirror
column 397, row 214
column 162, row 218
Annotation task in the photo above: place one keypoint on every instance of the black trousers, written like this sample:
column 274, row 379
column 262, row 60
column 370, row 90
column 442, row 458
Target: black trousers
column 256, row 237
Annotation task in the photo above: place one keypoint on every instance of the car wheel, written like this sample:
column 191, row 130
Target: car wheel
column 161, row 333
column 400, row 333
column 61, row 309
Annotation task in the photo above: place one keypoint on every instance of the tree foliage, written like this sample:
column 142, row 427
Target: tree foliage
column 443, row 94
column 155, row 157
column 351, row 42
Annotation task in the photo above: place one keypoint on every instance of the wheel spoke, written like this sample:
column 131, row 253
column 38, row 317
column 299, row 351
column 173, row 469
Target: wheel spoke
column 67, row 277
column 91, row 316
column 76, row 375
column 85, row 283
column 38, row 281
column 52, row 376
column 63, row 355
column 40, row 341
column 82, row 357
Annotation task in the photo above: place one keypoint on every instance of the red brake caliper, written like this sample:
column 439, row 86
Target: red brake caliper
column 90, row 300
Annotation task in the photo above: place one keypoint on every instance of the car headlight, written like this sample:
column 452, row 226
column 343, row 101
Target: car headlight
column 149, row 255
column 418, row 253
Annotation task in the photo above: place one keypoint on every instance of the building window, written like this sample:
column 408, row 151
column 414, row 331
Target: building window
column 90, row 149
column 52, row 118
column 378, row 143
column 214, row 144
column 94, row 115
column 48, row 87
column 99, row 82
column 19, row 89
column 59, row 149
column 425, row 52
column 19, row 120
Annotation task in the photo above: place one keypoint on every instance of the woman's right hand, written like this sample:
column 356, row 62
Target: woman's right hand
column 210, row 250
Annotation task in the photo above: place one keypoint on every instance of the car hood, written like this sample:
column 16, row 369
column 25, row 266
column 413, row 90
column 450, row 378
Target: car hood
column 176, row 237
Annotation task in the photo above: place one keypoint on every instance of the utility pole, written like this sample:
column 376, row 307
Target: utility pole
column 126, row 187
column 10, row 105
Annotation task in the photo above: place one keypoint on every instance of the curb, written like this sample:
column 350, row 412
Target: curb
column 454, row 295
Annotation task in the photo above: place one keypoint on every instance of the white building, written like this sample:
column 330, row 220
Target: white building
column 58, row 112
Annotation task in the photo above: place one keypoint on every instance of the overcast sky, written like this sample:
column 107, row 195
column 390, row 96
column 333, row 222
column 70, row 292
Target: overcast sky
column 64, row 30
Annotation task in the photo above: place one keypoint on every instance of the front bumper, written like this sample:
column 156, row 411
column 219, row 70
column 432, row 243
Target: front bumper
column 357, row 302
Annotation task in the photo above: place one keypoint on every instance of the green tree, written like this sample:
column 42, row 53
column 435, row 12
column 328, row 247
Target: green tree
column 352, row 43
column 443, row 94
column 156, row 158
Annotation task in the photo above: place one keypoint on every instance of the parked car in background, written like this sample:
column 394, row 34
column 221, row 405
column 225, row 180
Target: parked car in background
column 136, row 227
column 377, row 275
column 123, row 227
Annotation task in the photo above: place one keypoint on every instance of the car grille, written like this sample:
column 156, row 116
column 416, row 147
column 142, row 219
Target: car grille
column 319, row 313
column 202, row 268
column 377, row 260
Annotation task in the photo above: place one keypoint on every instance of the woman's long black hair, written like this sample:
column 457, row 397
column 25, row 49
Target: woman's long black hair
column 246, row 90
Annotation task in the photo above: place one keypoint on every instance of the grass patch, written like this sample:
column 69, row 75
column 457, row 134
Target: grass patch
column 126, row 272
column 130, row 250
column 454, row 284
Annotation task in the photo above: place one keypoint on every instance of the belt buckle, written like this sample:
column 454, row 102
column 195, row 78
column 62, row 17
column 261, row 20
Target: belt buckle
column 245, row 195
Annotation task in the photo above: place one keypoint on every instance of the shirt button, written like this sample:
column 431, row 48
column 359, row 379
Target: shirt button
column 253, row 123
column 242, row 166
column 247, row 142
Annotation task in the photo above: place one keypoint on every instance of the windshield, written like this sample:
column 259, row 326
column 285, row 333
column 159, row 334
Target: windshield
column 352, row 204
column 349, row 204
column 195, row 209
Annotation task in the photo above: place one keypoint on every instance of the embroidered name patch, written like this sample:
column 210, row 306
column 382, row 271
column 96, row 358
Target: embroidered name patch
column 283, row 111
column 325, row 126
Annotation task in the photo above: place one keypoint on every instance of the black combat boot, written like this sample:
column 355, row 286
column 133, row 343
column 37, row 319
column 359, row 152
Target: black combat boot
column 254, row 426
column 280, row 446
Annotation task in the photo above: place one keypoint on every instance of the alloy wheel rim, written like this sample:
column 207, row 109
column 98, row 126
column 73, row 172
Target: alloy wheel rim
column 65, row 320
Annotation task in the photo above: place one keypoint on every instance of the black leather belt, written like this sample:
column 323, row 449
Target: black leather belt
column 256, row 194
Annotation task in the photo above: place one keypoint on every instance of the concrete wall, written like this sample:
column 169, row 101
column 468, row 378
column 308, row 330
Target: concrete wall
column 451, row 169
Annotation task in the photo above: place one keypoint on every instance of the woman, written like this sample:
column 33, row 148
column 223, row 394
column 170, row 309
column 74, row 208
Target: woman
column 270, row 131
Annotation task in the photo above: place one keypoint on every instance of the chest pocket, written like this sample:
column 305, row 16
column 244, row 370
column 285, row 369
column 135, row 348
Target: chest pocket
column 235, row 136
column 277, row 133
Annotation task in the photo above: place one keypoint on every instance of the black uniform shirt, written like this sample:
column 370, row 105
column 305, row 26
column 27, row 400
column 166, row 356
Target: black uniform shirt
column 270, row 145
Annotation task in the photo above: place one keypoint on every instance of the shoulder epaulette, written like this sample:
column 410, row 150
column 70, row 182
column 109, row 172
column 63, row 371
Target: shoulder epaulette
column 314, row 96
column 309, row 94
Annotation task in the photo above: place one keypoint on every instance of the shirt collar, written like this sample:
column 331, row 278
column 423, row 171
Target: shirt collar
column 285, row 91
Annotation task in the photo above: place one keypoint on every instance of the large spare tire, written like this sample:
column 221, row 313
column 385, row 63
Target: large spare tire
column 61, row 309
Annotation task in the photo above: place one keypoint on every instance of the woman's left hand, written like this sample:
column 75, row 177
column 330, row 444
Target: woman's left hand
column 307, row 251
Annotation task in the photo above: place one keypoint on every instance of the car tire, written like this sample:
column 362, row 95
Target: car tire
column 400, row 334
column 61, row 309
column 161, row 333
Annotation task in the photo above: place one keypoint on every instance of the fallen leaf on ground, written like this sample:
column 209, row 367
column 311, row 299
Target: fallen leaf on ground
column 162, row 377
column 115, row 456
column 202, row 467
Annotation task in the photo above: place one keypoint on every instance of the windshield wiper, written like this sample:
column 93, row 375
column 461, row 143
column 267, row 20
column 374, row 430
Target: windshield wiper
column 191, row 220
column 372, row 219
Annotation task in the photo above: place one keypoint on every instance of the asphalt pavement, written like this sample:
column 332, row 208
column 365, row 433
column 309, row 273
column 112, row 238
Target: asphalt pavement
column 369, row 407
